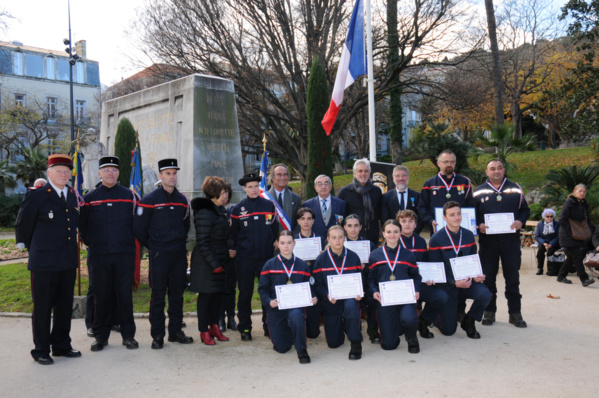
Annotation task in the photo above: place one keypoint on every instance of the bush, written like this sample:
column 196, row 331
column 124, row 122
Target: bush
column 9, row 208
column 536, row 209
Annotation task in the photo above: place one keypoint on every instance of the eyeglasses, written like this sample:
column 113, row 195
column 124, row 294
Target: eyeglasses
column 323, row 184
column 548, row 216
column 107, row 170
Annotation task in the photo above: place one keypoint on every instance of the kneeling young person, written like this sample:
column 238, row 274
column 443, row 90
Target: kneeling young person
column 283, row 269
column 340, row 316
column 450, row 242
column 389, row 263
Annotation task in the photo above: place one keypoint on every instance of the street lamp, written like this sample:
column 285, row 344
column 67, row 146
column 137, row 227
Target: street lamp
column 73, row 57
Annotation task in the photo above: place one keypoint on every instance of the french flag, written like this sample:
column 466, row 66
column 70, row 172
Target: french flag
column 351, row 65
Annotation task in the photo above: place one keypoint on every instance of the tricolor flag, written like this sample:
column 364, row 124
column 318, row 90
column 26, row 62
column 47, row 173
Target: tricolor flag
column 283, row 219
column 136, row 185
column 351, row 65
column 77, row 171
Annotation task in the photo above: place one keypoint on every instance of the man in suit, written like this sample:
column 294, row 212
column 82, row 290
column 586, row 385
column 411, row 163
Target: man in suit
column 47, row 225
column 400, row 198
column 328, row 209
column 290, row 202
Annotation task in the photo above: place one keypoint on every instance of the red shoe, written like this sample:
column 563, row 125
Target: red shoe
column 215, row 332
column 206, row 338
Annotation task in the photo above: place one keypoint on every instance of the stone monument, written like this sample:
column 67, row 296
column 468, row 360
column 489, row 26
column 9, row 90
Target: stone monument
column 193, row 119
column 92, row 150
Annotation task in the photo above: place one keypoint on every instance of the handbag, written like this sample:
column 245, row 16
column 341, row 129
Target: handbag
column 592, row 260
column 580, row 229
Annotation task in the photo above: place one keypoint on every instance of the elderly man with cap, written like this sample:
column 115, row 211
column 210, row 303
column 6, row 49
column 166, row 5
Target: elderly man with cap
column 47, row 224
column 254, row 228
column 106, row 227
column 161, row 224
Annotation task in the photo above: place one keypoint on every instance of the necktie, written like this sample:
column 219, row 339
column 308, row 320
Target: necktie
column 324, row 206
column 280, row 200
column 402, row 203
column 62, row 199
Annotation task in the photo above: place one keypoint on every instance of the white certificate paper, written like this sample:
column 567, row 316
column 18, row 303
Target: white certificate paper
column 295, row 295
column 346, row 286
column 307, row 248
column 397, row 292
column 360, row 247
column 466, row 267
column 499, row 223
column 468, row 219
column 434, row 272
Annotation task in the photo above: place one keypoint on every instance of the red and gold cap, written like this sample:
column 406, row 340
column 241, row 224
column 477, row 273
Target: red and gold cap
column 58, row 159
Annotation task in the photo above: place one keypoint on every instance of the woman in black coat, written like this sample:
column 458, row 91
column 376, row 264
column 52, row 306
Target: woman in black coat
column 210, row 256
column 547, row 237
column 575, row 208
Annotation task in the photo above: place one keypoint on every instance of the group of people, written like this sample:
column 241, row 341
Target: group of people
column 235, row 245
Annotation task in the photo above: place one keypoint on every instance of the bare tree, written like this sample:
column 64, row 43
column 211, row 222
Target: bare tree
column 496, row 69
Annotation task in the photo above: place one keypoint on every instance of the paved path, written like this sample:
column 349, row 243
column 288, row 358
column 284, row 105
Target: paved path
column 556, row 356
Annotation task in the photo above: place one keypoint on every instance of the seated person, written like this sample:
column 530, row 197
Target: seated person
column 547, row 237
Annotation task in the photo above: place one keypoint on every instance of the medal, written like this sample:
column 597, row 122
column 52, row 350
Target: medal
column 333, row 262
column 289, row 281
column 499, row 198
column 392, row 268
column 50, row 215
column 451, row 240
column 287, row 271
column 448, row 187
column 448, row 196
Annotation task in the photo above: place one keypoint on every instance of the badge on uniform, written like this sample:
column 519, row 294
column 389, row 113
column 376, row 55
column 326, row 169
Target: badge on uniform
column 245, row 223
column 434, row 193
column 311, row 280
column 339, row 218
column 50, row 215
column 140, row 211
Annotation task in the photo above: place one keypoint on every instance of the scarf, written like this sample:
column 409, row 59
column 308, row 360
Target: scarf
column 364, row 192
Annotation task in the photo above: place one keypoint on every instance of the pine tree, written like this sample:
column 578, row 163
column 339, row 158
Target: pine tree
column 320, row 150
column 124, row 143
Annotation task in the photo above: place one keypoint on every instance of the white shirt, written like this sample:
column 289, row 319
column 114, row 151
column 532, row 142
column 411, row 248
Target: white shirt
column 58, row 190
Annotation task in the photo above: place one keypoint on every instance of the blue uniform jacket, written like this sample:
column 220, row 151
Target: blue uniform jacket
column 441, row 249
column 106, row 222
column 273, row 274
column 254, row 228
column 323, row 268
column 337, row 214
column 417, row 245
column 405, row 268
column 512, row 201
column 162, row 221
column 49, row 230
column 434, row 193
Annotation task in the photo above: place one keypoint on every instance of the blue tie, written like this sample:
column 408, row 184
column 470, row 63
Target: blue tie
column 324, row 206
column 402, row 203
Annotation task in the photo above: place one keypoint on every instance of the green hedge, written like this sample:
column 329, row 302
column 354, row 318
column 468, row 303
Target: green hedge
column 9, row 208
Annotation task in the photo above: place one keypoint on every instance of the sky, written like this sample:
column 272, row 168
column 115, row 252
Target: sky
column 44, row 24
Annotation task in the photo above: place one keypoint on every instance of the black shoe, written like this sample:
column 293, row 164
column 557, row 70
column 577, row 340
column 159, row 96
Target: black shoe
column 116, row 328
column 68, row 353
column 99, row 345
column 588, row 282
column 157, row 343
column 423, row 329
column 303, row 356
column 564, row 280
column 488, row 318
column 551, row 273
column 461, row 316
column 356, row 350
column 517, row 321
column 45, row 360
column 180, row 338
column 539, row 272
column 130, row 343
column 468, row 325
column 246, row 335
column 231, row 324
column 222, row 325
column 413, row 345
column 90, row 333
column 266, row 332
column 373, row 335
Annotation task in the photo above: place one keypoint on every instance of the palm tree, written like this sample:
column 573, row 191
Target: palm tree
column 502, row 138
column 33, row 166
column 562, row 182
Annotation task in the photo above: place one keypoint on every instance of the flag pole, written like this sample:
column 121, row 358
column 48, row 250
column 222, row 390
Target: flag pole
column 371, row 121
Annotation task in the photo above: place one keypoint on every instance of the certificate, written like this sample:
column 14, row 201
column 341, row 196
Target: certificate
column 468, row 219
column 466, row 267
column 307, row 248
column 348, row 286
column 295, row 295
column 499, row 223
column 434, row 272
column 397, row 292
column 360, row 247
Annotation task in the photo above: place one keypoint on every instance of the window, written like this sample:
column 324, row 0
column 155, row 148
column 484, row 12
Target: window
column 51, row 110
column 50, row 68
column 20, row 99
column 17, row 66
column 79, row 109
column 80, row 72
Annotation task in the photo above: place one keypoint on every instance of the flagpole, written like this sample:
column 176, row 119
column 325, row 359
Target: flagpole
column 371, row 121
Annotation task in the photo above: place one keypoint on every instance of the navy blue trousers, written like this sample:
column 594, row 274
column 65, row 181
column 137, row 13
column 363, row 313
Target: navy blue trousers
column 435, row 298
column 247, row 271
column 341, row 318
column 287, row 328
column 395, row 320
column 447, row 319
